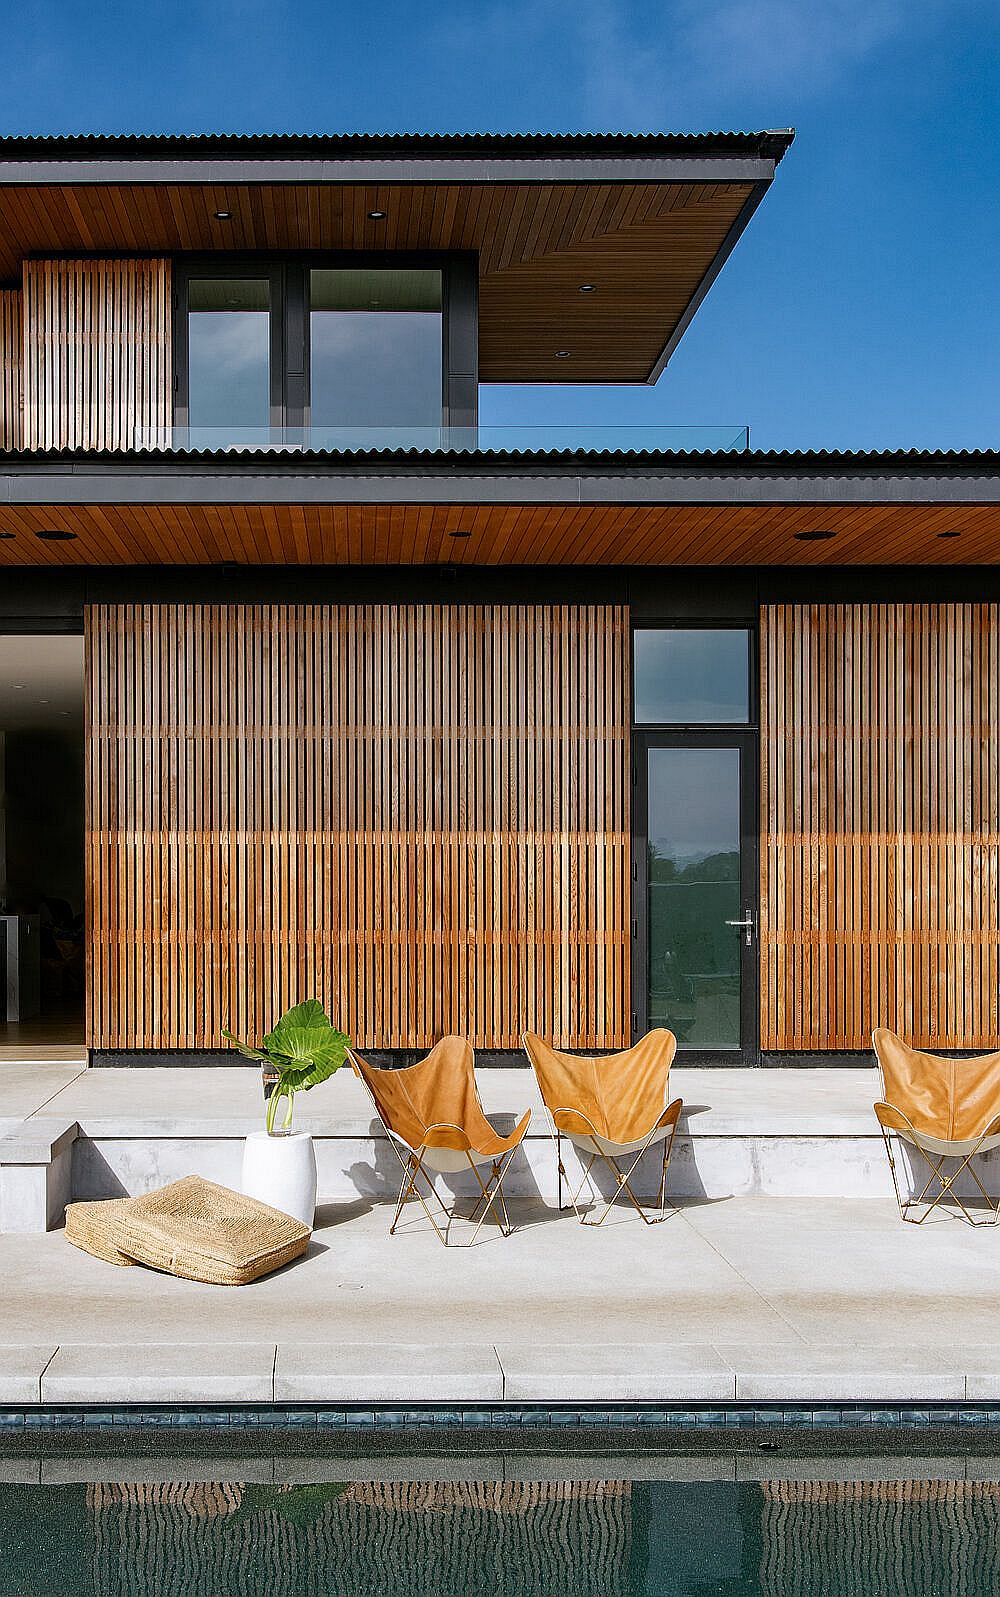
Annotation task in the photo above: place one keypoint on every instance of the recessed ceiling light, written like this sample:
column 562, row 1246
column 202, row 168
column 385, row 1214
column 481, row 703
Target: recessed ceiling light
column 814, row 535
column 45, row 701
column 588, row 288
column 460, row 532
column 562, row 354
column 223, row 216
column 954, row 533
column 376, row 216
column 55, row 535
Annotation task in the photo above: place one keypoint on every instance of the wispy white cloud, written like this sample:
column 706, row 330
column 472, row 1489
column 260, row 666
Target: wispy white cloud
column 655, row 63
column 709, row 51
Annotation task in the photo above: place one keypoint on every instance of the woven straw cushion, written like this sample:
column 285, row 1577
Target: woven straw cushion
column 204, row 1232
column 97, row 1228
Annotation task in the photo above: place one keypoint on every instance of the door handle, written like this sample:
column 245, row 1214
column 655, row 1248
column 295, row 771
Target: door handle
column 747, row 924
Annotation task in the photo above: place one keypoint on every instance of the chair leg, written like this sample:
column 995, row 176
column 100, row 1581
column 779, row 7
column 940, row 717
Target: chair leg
column 492, row 1192
column 412, row 1168
column 623, row 1183
column 946, row 1187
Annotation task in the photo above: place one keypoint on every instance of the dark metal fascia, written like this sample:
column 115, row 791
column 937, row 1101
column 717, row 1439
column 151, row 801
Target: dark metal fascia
column 246, row 169
column 199, row 482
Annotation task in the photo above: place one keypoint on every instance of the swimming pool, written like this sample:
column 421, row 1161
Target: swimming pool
column 734, row 1521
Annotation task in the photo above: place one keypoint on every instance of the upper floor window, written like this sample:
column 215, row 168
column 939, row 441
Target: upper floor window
column 375, row 347
column 328, row 353
column 229, row 354
column 691, row 675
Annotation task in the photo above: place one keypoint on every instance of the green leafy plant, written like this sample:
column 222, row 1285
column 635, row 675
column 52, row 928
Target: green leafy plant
column 303, row 1049
column 299, row 1505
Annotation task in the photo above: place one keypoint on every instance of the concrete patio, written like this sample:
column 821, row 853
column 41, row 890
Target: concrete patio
column 784, row 1274
column 740, row 1299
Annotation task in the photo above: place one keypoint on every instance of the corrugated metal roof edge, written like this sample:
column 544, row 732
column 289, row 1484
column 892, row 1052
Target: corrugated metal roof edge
column 295, row 459
column 771, row 142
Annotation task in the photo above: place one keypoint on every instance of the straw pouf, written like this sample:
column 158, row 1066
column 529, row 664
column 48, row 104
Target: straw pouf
column 204, row 1232
column 97, row 1228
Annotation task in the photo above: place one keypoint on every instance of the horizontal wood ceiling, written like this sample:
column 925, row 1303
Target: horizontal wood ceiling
column 645, row 246
column 499, row 535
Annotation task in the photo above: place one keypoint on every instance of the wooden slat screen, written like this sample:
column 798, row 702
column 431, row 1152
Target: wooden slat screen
column 417, row 814
column 880, row 891
column 11, row 358
column 98, row 360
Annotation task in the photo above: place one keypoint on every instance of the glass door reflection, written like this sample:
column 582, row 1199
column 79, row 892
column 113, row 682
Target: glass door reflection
column 696, row 903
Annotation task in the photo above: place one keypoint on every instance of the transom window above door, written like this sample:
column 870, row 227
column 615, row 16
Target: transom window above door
column 691, row 676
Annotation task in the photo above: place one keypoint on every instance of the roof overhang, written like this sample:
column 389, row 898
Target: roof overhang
column 910, row 509
column 649, row 220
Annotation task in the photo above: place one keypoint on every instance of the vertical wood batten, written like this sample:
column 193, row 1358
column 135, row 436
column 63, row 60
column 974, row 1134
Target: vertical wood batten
column 880, row 864
column 11, row 369
column 97, row 364
column 418, row 814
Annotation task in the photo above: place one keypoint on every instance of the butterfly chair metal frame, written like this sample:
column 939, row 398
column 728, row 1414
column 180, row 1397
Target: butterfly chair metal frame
column 453, row 1144
column 935, row 1161
column 622, row 1178
column 413, row 1166
column 955, row 1095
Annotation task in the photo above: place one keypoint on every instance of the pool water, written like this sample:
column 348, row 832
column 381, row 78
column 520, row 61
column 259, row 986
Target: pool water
column 540, row 1537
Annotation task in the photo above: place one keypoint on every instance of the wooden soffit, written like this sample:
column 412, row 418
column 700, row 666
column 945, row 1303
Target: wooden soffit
column 499, row 535
column 650, row 249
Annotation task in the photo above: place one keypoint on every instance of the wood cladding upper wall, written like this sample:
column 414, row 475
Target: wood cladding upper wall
column 98, row 362
column 646, row 247
column 880, row 889
column 499, row 535
column 11, row 360
column 419, row 815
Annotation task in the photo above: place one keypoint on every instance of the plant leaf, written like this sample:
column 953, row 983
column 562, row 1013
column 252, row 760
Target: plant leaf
column 245, row 1048
column 306, row 1046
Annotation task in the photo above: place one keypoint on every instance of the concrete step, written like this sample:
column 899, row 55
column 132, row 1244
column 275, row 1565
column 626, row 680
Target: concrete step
column 782, row 1133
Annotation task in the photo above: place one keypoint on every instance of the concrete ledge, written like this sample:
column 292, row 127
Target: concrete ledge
column 411, row 1375
column 338, row 1372
column 21, row 1371
column 774, row 1133
column 36, row 1174
column 589, row 1372
column 212, row 1372
column 854, row 1374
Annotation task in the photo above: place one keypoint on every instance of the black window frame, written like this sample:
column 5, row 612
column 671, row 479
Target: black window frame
column 701, row 624
column 745, row 735
column 288, row 276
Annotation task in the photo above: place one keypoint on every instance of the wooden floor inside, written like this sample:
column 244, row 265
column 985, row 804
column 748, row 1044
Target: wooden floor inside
column 51, row 1035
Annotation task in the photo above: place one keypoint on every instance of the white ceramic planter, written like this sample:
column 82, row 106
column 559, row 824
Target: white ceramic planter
column 281, row 1171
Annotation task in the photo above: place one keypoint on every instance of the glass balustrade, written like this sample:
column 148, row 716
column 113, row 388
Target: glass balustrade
column 507, row 439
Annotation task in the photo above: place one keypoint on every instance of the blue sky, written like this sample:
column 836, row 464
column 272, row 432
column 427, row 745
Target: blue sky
column 860, row 310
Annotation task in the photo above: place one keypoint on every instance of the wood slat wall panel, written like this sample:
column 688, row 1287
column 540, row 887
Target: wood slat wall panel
column 880, row 860
column 417, row 814
column 98, row 362
column 11, row 361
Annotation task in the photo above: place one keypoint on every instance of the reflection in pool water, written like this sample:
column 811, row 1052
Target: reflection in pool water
column 609, row 1538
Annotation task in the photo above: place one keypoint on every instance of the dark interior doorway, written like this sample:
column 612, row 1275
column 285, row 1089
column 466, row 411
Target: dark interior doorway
column 42, row 864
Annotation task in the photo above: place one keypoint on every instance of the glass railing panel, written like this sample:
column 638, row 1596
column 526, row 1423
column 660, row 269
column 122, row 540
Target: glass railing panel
column 505, row 439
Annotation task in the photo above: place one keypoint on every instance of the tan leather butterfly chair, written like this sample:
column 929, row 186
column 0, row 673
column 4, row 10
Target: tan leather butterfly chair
column 610, row 1108
column 946, row 1109
column 434, row 1120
